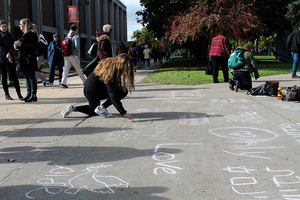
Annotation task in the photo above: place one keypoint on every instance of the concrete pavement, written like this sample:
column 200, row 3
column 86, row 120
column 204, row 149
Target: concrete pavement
column 186, row 142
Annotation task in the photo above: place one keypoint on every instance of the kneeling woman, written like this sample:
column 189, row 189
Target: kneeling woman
column 111, row 80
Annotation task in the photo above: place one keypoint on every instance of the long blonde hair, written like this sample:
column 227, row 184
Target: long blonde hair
column 28, row 26
column 119, row 69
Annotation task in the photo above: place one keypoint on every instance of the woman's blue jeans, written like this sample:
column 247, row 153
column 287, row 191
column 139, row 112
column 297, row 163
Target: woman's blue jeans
column 295, row 63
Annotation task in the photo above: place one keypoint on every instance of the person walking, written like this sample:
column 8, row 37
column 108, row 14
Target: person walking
column 133, row 52
column 242, row 75
column 219, row 53
column 7, row 60
column 295, row 50
column 121, row 49
column 147, row 53
column 55, row 59
column 72, row 60
column 26, row 44
column 155, row 55
column 41, row 49
column 111, row 80
column 104, row 42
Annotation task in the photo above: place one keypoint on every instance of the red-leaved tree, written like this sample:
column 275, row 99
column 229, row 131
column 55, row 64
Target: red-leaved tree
column 208, row 17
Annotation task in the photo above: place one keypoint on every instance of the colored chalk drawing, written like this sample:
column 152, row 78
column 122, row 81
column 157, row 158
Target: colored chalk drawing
column 132, row 130
column 90, row 179
column 248, row 186
column 192, row 120
column 166, row 160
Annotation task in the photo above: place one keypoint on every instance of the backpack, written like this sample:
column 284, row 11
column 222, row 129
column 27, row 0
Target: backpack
column 93, row 49
column 67, row 46
column 236, row 59
column 133, row 51
column 289, row 41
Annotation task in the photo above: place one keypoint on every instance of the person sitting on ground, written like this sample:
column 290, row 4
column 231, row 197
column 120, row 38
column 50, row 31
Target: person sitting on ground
column 111, row 80
column 242, row 76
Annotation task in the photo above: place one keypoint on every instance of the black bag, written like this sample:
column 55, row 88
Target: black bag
column 270, row 88
column 91, row 66
column 292, row 93
column 208, row 70
column 93, row 49
column 41, row 49
column 260, row 90
column 289, row 41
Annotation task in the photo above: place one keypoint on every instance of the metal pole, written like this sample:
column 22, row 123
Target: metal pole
column 78, row 30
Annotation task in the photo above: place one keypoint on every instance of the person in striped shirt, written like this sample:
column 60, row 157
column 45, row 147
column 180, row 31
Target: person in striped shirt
column 219, row 53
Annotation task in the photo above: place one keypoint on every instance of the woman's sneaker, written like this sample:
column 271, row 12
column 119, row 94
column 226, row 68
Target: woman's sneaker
column 66, row 111
column 102, row 112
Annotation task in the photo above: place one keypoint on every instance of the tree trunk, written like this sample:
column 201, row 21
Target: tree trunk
column 11, row 18
column 201, row 46
column 256, row 46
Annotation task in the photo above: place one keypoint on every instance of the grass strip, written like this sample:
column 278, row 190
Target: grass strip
column 187, row 71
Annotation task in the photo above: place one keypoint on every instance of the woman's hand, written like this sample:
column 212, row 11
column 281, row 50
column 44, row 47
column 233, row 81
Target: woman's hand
column 18, row 43
column 128, row 116
column 8, row 56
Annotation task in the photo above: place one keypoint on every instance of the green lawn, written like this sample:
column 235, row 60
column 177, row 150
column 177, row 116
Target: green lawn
column 187, row 71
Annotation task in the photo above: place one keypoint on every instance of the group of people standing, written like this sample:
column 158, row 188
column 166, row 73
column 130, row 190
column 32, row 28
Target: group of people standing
column 142, row 54
column 111, row 79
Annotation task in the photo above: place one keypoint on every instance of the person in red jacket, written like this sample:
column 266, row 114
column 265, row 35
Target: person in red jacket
column 219, row 53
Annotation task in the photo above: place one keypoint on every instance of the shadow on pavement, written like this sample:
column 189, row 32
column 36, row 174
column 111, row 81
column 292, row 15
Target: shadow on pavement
column 75, row 155
column 92, row 190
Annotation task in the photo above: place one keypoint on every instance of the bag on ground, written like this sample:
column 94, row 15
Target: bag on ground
column 236, row 59
column 292, row 93
column 67, row 46
column 270, row 88
column 93, row 49
column 208, row 70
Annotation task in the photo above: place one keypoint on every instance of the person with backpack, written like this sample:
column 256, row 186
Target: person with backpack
column 133, row 52
column 55, row 59
column 242, row 74
column 72, row 59
column 219, row 53
column 26, row 45
column 295, row 50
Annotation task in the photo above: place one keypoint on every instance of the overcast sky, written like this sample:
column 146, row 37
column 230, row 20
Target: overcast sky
column 132, row 25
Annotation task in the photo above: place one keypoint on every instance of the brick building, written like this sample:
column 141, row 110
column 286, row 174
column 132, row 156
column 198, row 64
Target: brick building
column 51, row 16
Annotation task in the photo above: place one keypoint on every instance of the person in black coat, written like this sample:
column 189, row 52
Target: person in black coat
column 7, row 60
column 26, row 44
column 111, row 80
column 295, row 50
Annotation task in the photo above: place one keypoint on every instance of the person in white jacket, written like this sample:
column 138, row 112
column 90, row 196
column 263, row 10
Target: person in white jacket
column 147, row 53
